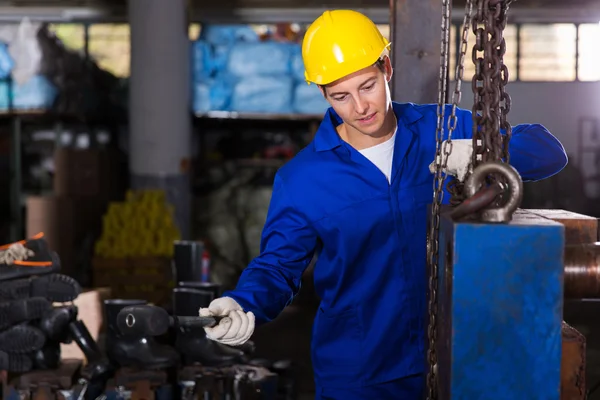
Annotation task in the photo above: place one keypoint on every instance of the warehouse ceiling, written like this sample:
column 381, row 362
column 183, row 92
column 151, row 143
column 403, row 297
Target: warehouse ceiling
column 295, row 3
column 266, row 11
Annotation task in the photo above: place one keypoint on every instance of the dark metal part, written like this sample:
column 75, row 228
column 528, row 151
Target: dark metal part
column 60, row 379
column 155, row 321
column 505, row 173
column 478, row 201
column 582, row 271
column 572, row 368
column 579, row 228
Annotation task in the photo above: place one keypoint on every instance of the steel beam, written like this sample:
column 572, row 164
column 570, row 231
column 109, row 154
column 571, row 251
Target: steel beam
column 416, row 48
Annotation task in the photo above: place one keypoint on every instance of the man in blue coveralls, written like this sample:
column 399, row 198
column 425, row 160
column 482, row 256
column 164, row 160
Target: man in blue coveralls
column 357, row 196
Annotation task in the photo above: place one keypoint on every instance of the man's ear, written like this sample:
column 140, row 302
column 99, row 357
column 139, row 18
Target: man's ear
column 387, row 68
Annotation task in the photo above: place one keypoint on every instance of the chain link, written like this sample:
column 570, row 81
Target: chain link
column 443, row 150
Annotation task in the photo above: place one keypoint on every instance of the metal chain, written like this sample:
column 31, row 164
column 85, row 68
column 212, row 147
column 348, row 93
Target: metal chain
column 492, row 103
column 443, row 150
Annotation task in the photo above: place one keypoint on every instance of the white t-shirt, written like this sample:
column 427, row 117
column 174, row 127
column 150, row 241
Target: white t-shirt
column 382, row 155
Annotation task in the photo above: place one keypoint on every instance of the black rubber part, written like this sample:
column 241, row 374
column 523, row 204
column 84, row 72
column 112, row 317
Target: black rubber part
column 21, row 339
column 53, row 287
column 11, row 272
column 15, row 311
column 15, row 363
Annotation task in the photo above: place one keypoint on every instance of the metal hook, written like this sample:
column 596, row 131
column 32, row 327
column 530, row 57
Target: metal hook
column 515, row 189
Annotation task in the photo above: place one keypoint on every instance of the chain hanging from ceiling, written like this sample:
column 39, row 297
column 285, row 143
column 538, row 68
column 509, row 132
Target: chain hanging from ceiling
column 490, row 108
column 491, row 103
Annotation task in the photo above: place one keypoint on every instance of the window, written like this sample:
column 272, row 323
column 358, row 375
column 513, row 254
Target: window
column 109, row 46
column 453, row 56
column 589, row 52
column 71, row 35
column 548, row 52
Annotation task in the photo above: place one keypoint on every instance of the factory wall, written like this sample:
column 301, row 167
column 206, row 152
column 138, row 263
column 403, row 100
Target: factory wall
column 567, row 109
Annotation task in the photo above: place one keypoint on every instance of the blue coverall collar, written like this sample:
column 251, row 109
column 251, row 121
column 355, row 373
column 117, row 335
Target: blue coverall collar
column 327, row 137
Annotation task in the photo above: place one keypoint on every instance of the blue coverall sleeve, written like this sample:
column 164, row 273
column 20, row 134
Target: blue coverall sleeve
column 288, row 243
column 534, row 151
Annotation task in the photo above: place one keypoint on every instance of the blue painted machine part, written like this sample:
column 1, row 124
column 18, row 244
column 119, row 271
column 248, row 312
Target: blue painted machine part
column 500, row 292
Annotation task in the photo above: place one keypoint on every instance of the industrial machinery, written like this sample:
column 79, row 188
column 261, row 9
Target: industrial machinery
column 498, row 275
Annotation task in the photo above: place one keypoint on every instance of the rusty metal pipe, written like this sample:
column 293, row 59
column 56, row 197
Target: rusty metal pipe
column 582, row 271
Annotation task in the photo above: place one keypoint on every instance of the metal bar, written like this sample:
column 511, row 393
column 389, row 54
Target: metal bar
column 582, row 271
column 86, row 41
column 16, row 228
column 415, row 37
column 518, row 55
column 577, row 39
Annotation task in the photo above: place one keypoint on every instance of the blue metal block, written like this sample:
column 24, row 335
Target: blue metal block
column 500, row 294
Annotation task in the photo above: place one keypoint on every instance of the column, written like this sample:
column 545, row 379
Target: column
column 160, row 102
column 415, row 28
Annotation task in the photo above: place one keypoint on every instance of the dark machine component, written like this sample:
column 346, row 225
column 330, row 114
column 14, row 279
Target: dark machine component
column 582, row 271
column 155, row 321
column 572, row 370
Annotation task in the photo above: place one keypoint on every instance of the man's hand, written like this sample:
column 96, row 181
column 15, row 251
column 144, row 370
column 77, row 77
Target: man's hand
column 235, row 328
column 459, row 160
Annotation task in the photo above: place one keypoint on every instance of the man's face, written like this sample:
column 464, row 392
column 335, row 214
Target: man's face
column 362, row 99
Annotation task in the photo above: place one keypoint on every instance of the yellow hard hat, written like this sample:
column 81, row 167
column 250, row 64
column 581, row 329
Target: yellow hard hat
column 339, row 43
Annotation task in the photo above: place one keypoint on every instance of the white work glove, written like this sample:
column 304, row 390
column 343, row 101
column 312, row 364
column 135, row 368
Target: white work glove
column 459, row 160
column 235, row 328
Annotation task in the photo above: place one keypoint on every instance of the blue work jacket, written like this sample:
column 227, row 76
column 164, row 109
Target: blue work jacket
column 370, row 237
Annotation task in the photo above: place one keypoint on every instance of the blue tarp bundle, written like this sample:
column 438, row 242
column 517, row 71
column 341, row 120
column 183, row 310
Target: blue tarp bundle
column 309, row 100
column 234, row 71
column 263, row 58
column 6, row 62
column 259, row 94
column 37, row 93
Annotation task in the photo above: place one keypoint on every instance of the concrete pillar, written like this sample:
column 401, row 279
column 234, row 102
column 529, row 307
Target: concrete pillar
column 160, row 102
column 415, row 28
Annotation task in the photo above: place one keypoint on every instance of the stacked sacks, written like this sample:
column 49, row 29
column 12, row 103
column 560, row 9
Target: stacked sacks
column 307, row 98
column 213, row 85
column 265, row 84
column 37, row 93
column 235, row 71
